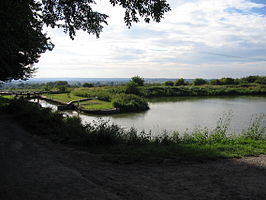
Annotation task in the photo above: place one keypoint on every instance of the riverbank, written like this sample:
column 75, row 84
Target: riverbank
column 34, row 168
column 119, row 99
column 129, row 145
column 148, row 91
column 122, row 103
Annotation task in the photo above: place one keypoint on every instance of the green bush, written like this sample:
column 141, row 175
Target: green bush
column 257, row 128
column 249, row 79
column 169, row 83
column 261, row 80
column 227, row 81
column 199, row 81
column 138, row 80
column 132, row 88
column 87, row 85
column 215, row 82
column 130, row 103
column 179, row 82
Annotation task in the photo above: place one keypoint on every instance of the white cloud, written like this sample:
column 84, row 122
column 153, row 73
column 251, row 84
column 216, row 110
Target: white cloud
column 200, row 38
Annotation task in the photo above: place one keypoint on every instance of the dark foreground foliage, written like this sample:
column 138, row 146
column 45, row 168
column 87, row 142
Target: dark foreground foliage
column 129, row 145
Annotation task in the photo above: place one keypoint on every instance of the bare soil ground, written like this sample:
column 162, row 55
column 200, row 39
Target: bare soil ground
column 33, row 168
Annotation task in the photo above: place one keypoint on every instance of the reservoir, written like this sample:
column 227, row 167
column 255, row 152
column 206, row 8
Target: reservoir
column 186, row 113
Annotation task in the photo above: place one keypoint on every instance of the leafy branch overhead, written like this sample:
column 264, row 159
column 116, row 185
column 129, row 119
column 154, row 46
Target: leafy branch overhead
column 23, row 41
column 72, row 15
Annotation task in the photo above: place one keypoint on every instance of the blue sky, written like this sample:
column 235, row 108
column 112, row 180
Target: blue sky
column 198, row 38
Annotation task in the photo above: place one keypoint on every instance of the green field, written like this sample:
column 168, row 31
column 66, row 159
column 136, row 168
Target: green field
column 89, row 105
column 96, row 105
column 64, row 97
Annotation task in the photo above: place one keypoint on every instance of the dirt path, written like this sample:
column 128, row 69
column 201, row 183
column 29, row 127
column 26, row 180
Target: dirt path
column 32, row 168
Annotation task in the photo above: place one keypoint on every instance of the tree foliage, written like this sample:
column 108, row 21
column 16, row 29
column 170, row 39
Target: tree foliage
column 169, row 83
column 215, row 82
column 227, row 81
column 130, row 103
column 199, row 81
column 138, row 80
column 132, row 88
column 87, row 85
column 23, row 41
column 179, row 82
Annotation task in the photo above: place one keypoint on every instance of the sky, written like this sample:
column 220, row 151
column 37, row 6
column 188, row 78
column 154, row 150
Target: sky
column 197, row 38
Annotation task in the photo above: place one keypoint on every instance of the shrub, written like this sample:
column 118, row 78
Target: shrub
column 261, row 80
column 199, row 81
column 61, row 88
column 169, row 83
column 179, row 82
column 257, row 128
column 130, row 102
column 249, row 79
column 227, row 81
column 132, row 88
column 87, row 85
column 138, row 80
column 215, row 82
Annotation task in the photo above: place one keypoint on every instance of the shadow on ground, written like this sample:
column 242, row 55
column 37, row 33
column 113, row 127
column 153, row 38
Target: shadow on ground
column 33, row 168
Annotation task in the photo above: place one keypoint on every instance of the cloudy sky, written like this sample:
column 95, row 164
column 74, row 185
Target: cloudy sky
column 197, row 38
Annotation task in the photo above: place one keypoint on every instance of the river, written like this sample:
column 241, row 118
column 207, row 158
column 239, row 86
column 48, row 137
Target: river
column 180, row 113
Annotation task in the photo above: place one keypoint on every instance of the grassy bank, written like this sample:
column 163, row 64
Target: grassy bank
column 96, row 105
column 107, row 98
column 89, row 105
column 118, row 144
column 109, row 92
column 64, row 97
column 132, row 97
column 207, row 90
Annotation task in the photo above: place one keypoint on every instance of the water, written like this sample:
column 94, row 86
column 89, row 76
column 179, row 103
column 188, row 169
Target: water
column 187, row 113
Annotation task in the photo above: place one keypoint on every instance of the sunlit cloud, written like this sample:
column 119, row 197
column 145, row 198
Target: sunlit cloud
column 198, row 38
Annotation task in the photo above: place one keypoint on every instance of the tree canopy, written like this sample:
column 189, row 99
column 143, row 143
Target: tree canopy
column 138, row 80
column 23, row 41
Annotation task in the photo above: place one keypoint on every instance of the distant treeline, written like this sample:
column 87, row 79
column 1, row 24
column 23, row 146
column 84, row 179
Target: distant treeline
column 222, row 81
column 174, row 91
column 63, row 85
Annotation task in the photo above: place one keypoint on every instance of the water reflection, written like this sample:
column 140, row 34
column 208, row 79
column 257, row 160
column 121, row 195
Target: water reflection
column 182, row 113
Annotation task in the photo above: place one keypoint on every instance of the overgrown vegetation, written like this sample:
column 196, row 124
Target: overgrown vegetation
column 116, row 95
column 252, row 85
column 205, row 90
column 129, row 103
column 96, row 104
column 64, row 97
column 121, row 144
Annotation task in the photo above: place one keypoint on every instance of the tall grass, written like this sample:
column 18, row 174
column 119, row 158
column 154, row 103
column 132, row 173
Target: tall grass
column 107, row 132
column 257, row 128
